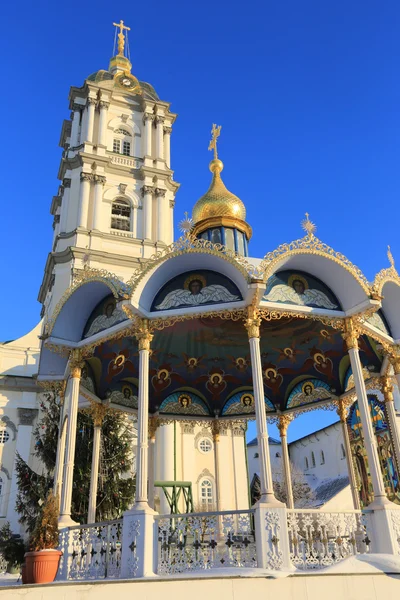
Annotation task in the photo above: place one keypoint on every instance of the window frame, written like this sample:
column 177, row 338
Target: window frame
column 205, row 440
column 208, row 500
column 123, row 202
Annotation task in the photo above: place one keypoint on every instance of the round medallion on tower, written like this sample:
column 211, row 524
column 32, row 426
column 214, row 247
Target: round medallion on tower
column 219, row 215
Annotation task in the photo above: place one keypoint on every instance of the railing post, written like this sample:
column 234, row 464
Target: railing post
column 384, row 529
column 272, row 539
column 139, row 544
column 65, row 545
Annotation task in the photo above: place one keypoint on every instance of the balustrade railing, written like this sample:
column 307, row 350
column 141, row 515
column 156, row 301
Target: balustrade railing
column 199, row 541
column 92, row 551
column 319, row 539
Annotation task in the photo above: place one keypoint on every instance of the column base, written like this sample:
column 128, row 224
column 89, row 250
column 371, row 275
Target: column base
column 383, row 526
column 66, row 521
column 382, row 503
column 269, row 501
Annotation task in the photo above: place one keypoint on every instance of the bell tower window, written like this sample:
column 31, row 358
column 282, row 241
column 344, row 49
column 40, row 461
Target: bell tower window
column 121, row 215
column 122, row 142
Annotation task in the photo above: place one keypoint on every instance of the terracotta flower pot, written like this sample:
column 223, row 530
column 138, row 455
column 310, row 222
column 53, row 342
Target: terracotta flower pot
column 23, row 574
column 42, row 565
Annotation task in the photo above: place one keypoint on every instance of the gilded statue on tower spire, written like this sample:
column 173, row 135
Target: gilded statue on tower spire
column 121, row 36
column 215, row 133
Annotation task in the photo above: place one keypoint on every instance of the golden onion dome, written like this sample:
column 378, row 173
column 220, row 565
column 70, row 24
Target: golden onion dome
column 218, row 201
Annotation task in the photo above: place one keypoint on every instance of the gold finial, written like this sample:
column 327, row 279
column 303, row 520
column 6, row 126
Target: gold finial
column 121, row 36
column 186, row 224
column 308, row 226
column 215, row 132
column 390, row 257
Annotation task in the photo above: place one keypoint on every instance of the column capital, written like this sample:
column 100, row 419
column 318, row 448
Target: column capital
column 147, row 189
column 253, row 322
column 144, row 336
column 91, row 101
column 154, row 424
column 159, row 119
column 77, row 107
column 351, row 333
column 343, row 410
column 99, row 179
column 104, row 104
column 167, row 130
column 216, row 428
column 387, row 388
column 86, row 176
column 283, row 423
column 66, row 182
column 160, row 192
column 75, row 363
column 148, row 117
column 98, row 411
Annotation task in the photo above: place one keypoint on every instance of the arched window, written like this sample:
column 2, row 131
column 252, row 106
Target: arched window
column 313, row 459
column 122, row 142
column 4, row 436
column 306, row 462
column 121, row 215
column 206, row 493
column 322, row 457
column 342, row 451
column 205, row 445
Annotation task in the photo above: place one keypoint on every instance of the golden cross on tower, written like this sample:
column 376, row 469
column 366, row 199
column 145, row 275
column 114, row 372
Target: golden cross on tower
column 121, row 36
column 215, row 132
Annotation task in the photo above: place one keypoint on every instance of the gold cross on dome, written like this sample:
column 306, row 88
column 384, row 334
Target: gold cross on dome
column 215, row 133
column 308, row 226
column 121, row 36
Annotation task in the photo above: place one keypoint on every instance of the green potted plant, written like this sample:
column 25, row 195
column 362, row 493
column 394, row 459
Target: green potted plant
column 43, row 559
column 12, row 548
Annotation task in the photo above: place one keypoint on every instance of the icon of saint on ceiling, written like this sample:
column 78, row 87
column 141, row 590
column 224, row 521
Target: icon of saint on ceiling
column 125, row 397
column 183, row 403
column 298, row 291
column 86, row 381
column 196, row 292
column 111, row 316
column 308, row 392
column 244, row 406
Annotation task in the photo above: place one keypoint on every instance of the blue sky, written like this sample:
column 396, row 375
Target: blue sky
column 307, row 93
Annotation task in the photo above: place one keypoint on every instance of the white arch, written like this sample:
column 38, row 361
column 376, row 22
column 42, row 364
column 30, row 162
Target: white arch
column 344, row 283
column 390, row 306
column 162, row 272
column 129, row 125
column 112, row 193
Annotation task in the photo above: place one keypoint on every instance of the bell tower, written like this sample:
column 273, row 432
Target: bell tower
column 115, row 203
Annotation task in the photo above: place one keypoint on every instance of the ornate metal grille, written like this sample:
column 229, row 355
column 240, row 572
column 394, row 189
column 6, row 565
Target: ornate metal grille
column 94, row 551
column 319, row 539
column 200, row 541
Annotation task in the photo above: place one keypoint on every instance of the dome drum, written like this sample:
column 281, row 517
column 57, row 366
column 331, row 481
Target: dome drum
column 228, row 231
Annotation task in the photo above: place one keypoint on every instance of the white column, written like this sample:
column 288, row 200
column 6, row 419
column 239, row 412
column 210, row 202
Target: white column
column 98, row 412
column 75, row 125
column 89, row 120
column 284, row 421
column 167, row 145
column 351, row 337
column 58, row 470
column 162, row 215
column 159, row 137
column 144, row 340
column 165, row 459
column 147, row 193
column 387, row 390
column 343, row 413
column 153, row 424
column 396, row 369
column 102, row 137
column 64, row 204
column 22, row 447
column 148, row 126
column 267, row 490
column 66, row 493
column 216, row 434
column 99, row 182
column 86, row 178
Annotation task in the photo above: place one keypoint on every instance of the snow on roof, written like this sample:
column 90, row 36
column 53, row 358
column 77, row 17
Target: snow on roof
column 270, row 441
column 324, row 491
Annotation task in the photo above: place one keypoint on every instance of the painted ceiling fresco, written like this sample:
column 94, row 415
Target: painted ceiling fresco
column 202, row 366
column 196, row 288
column 297, row 287
column 105, row 315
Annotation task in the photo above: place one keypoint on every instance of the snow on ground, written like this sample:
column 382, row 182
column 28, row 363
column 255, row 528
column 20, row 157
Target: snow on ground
column 9, row 579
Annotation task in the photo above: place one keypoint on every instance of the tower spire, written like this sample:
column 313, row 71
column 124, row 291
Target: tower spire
column 215, row 133
column 121, row 36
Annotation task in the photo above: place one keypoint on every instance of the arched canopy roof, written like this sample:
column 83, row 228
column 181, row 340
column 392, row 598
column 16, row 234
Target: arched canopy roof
column 309, row 254
column 389, row 288
column 148, row 283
